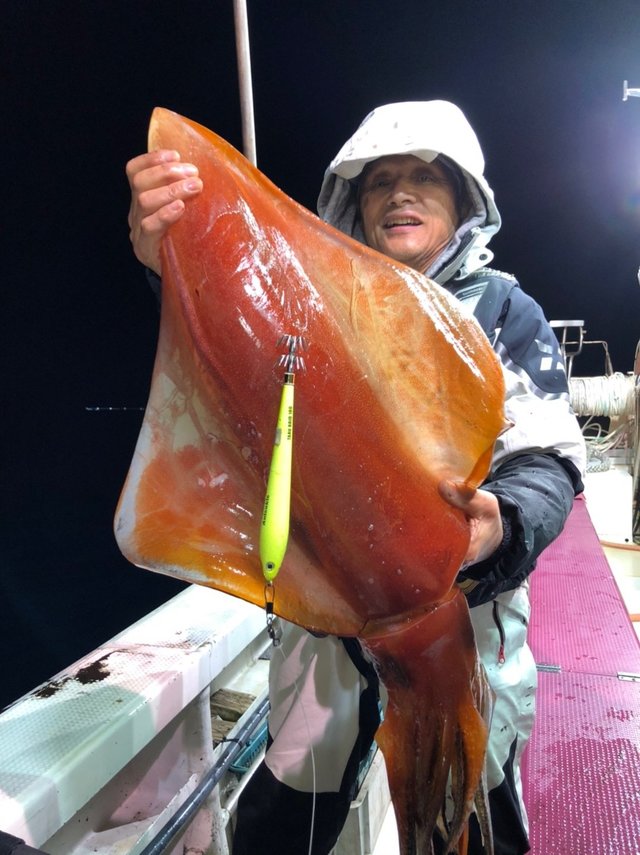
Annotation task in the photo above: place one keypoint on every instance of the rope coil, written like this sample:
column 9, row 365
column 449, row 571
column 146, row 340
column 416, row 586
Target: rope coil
column 610, row 395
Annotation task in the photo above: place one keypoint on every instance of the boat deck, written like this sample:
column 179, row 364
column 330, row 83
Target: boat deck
column 582, row 771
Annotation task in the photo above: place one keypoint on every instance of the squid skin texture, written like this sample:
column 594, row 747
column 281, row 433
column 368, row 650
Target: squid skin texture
column 401, row 390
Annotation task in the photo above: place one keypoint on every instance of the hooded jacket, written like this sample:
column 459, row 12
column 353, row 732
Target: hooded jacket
column 538, row 462
column 425, row 129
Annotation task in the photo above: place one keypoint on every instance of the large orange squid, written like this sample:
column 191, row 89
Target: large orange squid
column 401, row 390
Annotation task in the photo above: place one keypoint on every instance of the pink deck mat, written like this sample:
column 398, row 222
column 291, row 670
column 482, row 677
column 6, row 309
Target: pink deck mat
column 581, row 773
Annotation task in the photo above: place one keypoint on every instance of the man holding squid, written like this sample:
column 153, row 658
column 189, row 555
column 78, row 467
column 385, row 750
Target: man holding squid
column 410, row 183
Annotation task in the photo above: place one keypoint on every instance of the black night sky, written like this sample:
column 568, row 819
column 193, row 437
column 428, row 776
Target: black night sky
column 540, row 80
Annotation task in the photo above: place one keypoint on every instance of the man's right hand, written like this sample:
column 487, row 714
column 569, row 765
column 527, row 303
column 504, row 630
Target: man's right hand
column 160, row 185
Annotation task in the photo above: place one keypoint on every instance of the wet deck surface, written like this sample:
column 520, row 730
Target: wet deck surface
column 582, row 770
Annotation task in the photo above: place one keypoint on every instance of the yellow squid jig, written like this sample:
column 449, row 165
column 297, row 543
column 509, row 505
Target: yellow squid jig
column 274, row 528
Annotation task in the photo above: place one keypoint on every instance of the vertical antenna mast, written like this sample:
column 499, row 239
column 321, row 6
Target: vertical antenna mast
column 244, row 79
column 635, row 463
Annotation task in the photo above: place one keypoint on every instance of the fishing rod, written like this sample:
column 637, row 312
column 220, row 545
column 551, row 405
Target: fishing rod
column 244, row 79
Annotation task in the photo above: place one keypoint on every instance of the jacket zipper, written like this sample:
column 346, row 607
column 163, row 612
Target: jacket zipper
column 498, row 623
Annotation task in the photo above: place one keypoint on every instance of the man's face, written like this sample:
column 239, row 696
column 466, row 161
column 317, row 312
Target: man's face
column 408, row 209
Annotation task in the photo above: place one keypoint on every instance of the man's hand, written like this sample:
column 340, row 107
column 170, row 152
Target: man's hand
column 482, row 511
column 160, row 185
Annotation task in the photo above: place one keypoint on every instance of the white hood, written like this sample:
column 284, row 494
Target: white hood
column 425, row 129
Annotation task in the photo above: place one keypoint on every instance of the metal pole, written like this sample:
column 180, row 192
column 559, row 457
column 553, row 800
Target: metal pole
column 635, row 463
column 244, row 79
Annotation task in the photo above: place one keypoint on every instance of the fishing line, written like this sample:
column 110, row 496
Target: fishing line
column 274, row 528
column 311, row 753
column 272, row 531
column 113, row 409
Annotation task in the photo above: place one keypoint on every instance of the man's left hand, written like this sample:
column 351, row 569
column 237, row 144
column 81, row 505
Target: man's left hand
column 482, row 511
